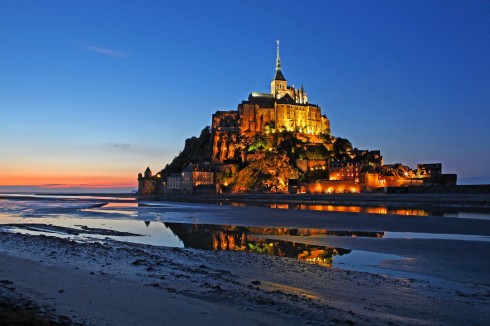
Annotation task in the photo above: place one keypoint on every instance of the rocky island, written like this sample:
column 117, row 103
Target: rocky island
column 280, row 142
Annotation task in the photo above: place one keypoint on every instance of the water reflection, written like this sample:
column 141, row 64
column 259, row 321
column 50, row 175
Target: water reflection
column 343, row 208
column 239, row 238
column 88, row 230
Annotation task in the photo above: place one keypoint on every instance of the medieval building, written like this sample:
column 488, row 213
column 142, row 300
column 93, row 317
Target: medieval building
column 148, row 184
column 239, row 136
column 284, row 108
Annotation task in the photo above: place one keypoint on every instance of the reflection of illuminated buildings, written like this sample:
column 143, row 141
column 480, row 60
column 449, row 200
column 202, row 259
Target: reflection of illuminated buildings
column 349, row 209
column 236, row 238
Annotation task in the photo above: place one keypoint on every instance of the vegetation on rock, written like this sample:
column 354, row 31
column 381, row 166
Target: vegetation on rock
column 195, row 150
column 274, row 158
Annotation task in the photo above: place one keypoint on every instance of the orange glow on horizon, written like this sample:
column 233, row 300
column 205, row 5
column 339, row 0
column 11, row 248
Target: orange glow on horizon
column 67, row 181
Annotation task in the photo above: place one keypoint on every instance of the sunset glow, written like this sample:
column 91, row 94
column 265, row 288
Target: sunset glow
column 95, row 104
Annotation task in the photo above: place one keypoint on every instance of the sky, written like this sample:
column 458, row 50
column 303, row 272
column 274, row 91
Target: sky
column 92, row 92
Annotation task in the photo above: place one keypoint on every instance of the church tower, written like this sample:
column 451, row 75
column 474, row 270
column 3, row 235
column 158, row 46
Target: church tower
column 278, row 85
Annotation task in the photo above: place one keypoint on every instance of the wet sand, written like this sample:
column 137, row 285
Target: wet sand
column 118, row 283
column 469, row 201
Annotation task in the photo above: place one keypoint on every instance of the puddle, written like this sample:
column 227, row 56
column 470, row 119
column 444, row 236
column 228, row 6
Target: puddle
column 372, row 262
column 434, row 236
column 84, row 214
column 364, row 258
column 382, row 210
column 124, row 204
column 198, row 236
column 144, row 232
column 248, row 239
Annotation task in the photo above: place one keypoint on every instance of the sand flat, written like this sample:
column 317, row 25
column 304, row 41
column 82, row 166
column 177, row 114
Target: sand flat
column 112, row 282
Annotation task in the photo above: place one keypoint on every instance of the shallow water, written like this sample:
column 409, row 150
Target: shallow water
column 431, row 236
column 84, row 218
column 156, row 233
column 382, row 210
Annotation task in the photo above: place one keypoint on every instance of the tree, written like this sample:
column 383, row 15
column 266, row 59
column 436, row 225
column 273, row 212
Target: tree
column 259, row 142
column 342, row 146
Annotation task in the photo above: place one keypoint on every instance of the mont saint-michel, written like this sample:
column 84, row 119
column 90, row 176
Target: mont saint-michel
column 315, row 190
column 278, row 141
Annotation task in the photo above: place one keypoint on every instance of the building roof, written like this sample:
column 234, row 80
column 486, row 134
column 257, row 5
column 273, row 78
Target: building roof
column 199, row 167
column 279, row 75
column 263, row 100
column 148, row 170
column 174, row 175
column 286, row 99
column 189, row 168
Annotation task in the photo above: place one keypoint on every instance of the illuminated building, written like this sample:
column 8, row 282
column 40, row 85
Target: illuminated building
column 147, row 183
column 288, row 138
column 195, row 175
column 174, row 182
column 284, row 108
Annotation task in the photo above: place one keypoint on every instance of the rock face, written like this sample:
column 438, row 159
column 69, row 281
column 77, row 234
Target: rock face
column 270, row 174
column 225, row 134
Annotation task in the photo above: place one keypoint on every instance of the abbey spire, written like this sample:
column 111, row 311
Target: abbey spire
column 278, row 84
column 278, row 58
column 279, row 75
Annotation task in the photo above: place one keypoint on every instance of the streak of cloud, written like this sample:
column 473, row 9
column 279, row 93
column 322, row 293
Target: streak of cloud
column 105, row 51
column 120, row 145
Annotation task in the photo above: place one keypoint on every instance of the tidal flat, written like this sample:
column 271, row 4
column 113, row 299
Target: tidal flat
column 96, row 260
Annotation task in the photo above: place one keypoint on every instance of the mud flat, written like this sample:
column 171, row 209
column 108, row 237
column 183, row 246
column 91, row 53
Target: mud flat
column 465, row 201
column 429, row 274
column 115, row 283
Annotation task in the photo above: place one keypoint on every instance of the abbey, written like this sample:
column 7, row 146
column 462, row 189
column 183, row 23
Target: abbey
column 284, row 108
column 280, row 142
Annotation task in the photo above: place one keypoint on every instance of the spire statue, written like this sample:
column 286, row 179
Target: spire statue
column 278, row 84
column 278, row 58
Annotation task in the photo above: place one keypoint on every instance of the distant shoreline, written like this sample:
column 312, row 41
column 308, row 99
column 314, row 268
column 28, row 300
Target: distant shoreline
column 429, row 201
column 462, row 198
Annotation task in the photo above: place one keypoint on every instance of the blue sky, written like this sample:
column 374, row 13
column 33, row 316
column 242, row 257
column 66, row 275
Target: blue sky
column 98, row 90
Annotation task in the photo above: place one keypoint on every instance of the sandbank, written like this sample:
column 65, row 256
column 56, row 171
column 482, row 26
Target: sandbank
column 117, row 283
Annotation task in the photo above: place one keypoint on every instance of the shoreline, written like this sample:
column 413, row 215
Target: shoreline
column 119, row 283
column 470, row 202
column 479, row 201
column 434, row 281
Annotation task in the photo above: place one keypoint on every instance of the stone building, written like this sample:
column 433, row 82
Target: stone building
column 345, row 171
column 174, row 182
column 284, row 108
column 147, row 183
column 196, row 175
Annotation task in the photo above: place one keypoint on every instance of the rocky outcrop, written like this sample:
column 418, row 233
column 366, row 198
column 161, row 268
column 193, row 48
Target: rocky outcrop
column 270, row 174
column 195, row 150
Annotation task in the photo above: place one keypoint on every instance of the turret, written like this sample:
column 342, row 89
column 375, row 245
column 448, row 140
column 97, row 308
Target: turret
column 148, row 173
